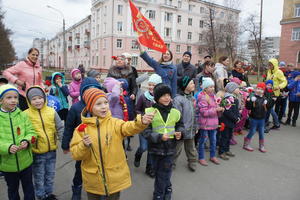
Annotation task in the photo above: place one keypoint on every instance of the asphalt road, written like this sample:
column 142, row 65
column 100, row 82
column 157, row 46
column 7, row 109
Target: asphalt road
column 274, row 175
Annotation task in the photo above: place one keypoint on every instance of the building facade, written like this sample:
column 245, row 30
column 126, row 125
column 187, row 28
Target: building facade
column 269, row 48
column 290, row 33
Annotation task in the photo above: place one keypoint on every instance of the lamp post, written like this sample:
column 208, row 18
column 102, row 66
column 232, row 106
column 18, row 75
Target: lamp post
column 64, row 38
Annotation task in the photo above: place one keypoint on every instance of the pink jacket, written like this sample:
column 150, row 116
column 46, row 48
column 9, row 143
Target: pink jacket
column 208, row 119
column 74, row 88
column 27, row 72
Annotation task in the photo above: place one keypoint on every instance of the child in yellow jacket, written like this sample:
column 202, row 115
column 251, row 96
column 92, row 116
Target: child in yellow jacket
column 97, row 142
column 48, row 125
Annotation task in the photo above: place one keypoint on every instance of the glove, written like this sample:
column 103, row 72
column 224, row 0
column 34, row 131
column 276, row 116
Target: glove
column 253, row 99
column 265, row 101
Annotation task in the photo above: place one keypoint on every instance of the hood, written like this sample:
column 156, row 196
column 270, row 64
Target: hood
column 89, row 82
column 274, row 62
column 57, row 73
column 109, row 83
column 92, row 120
column 45, row 97
column 73, row 73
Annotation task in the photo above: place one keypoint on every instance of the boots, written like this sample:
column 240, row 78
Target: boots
column 294, row 124
column 246, row 145
column 76, row 192
column 287, row 122
column 149, row 171
column 137, row 160
column 262, row 146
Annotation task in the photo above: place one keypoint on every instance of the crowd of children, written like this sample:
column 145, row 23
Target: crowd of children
column 101, row 117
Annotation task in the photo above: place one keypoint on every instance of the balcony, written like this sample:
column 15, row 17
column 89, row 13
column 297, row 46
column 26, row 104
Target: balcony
column 70, row 48
column 77, row 47
column 87, row 32
column 77, row 35
column 70, row 38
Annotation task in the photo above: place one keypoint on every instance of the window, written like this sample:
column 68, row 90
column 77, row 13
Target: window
column 177, row 48
column 298, row 59
column 104, row 44
column 189, row 48
column 133, row 44
column 104, row 28
column 191, row 7
column 97, row 60
column 105, row 10
column 168, row 2
column 120, row 9
column 98, row 14
column 104, row 58
column 97, row 29
column 296, row 34
column 202, row 10
column 134, row 60
column 200, row 36
column 168, row 17
column 179, row 19
column 179, row 4
column 178, row 34
column 119, row 26
column 297, row 10
column 189, row 35
column 151, row 14
column 200, row 50
column 190, row 21
column 119, row 43
column 168, row 45
column 201, row 23
column 222, row 14
column 167, row 32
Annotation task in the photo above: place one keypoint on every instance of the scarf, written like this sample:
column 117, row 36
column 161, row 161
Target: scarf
column 124, row 106
column 166, row 63
column 149, row 96
column 185, row 64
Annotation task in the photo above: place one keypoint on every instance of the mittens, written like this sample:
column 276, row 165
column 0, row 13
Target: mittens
column 253, row 99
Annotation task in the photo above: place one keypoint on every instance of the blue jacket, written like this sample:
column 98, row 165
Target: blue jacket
column 294, row 88
column 168, row 73
column 61, row 93
column 74, row 115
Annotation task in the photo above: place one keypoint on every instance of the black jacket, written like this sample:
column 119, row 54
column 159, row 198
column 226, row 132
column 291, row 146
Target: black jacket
column 271, row 98
column 155, row 144
column 231, row 116
column 257, row 108
column 186, row 70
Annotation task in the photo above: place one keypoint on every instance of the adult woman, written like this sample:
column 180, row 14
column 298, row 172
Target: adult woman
column 221, row 72
column 25, row 74
column 164, row 67
column 239, row 72
column 208, row 70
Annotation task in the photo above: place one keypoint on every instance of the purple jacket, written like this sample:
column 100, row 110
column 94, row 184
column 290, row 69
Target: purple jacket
column 74, row 89
column 208, row 119
column 115, row 106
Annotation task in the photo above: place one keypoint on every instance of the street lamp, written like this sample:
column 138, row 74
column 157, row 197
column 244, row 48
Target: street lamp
column 64, row 37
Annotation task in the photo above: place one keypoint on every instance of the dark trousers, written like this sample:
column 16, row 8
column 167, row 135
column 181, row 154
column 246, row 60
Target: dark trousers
column 114, row 196
column 13, row 181
column 63, row 113
column 162, row 166
column 280, row 105
column 293, row 106
column 77, row 180
column 23, row 103
column 224, row 143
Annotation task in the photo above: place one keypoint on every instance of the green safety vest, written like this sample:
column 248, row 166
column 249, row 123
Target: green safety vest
column 160, row 126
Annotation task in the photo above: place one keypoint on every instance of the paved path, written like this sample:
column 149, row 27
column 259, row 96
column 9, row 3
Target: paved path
column 249, row 176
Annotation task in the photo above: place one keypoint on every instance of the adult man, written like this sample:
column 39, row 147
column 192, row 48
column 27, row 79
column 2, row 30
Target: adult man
column 185, row 68
column 207, row 58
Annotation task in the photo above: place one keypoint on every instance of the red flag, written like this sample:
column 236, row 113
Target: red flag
column 148, row 36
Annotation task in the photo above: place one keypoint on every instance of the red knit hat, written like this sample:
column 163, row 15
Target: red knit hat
column 90, row 97
column 261, row 85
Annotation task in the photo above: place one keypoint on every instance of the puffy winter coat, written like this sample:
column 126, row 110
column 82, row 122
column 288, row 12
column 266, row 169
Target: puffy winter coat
column 294, row 88
column 277, row 76
column 104, row 161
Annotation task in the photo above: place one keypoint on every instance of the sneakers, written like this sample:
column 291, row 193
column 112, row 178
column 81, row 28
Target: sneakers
column 214, row 160
column 203, row 162
column 233, row 141
column 230, row 154
column 275, row 127
column 192, row 167
column 262, row 146
column 137, row 160
column 150, row 172
column 246, row 145
column 294, row 124
column 287, row 122
column 223, row 156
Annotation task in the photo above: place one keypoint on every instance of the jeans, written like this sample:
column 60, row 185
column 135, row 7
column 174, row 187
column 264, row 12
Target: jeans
column 256, row 124
column 13, row 181
column 293, row 106
column 142, row 148
column 274, row 116
column 162, row 166
column 225, row 136
column 43, row 168
column 204, row 134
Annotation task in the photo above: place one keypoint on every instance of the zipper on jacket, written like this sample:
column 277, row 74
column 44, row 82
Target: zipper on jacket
column 33, row 75
column 14, row 140
column 45, row 130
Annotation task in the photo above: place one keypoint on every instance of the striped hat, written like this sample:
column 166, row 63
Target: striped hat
column 90, row 97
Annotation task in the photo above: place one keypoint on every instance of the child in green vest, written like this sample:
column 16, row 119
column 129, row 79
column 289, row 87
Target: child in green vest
column 16, row 137
column 48, row 126
column 162, row 134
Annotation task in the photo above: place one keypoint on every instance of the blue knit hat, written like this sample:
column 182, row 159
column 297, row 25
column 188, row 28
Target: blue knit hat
column 125, row 84
column 282, row 63
column 154, row 78
column 270, row 82
column 6, row 88
column 207, row 82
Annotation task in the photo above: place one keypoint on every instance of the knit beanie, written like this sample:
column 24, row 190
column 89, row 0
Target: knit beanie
column 183, row 82
column 35, row 91
column 93, row 73
column 207, row 82
column 160, row 90
column 154, row 78
column 231, row 86
column 90, row 97
column 125, row 84
column 261, row 85
column 74, row 71
column 269, row 82
column 109, row 83
column 282, row 64
column 188, row 53
column 236, row 80
column 6, row 88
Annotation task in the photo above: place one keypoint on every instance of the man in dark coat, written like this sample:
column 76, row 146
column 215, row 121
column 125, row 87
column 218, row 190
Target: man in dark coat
column 185, row 68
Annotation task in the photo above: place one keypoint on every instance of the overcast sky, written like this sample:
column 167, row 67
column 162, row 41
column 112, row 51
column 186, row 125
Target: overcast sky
column 29, row 19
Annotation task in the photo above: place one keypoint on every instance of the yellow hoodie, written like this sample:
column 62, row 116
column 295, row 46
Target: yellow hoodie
column 277, row 76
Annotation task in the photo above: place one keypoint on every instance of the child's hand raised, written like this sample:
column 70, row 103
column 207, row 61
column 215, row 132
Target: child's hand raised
column 177, row 135
column 87, row 140
column 165, row 137
column 148, row 117
column 13, row 149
